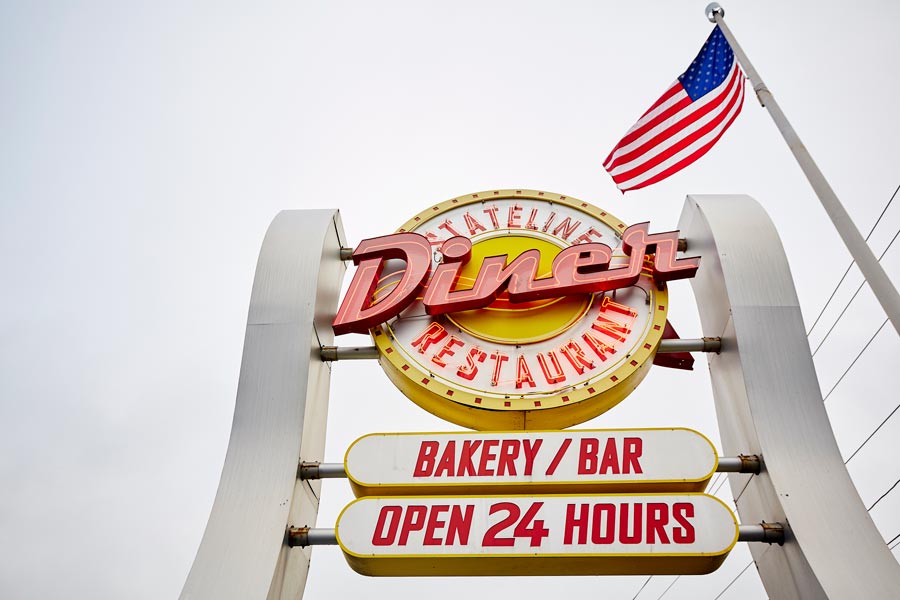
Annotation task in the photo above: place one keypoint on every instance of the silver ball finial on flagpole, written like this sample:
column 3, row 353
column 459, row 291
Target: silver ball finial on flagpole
column 712, row 9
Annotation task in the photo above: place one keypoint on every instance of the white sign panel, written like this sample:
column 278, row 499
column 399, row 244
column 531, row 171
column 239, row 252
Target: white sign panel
column 637, row 460
column 540, row 535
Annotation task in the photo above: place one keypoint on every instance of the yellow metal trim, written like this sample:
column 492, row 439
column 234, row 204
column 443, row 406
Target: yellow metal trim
column 676, row 486
column 557, row 411
column 534, row 565
column 491, row 195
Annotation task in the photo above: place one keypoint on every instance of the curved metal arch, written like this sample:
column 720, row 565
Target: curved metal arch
column 768, row 402
column 279, row 417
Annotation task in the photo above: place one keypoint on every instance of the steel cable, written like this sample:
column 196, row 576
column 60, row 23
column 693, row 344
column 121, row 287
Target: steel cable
column 850, row 266
column 852, row 298
column 736, row 577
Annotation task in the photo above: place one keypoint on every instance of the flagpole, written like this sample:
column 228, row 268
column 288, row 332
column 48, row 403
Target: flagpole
column 878, row 280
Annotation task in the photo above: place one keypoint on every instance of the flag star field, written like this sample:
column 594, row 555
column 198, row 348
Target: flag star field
column 710, row 68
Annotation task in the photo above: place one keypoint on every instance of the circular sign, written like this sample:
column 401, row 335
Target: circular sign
column 546, row 363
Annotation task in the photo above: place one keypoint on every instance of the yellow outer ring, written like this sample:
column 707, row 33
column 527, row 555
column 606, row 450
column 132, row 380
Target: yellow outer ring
column 558, row 411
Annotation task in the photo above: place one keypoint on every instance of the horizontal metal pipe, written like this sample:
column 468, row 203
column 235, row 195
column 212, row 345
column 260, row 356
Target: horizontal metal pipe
column 332, row 471
column 706, row 344
column 332, row 353
column 311, row 536
column 729, row 464
column 321, row 536
column 347, row 253
column 744, row 463
column 314, row 470
column 769, row 533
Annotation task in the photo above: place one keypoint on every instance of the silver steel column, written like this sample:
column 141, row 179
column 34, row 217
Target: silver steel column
column 875, row 276
column 279, row 417
column 768, row 403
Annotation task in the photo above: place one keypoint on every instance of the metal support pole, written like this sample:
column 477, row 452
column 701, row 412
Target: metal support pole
column 769, row 533
column 878, row 280
column 314, row 470
column 333, row 353
column 707, row 344
column 769, row 403
column 744, row 463
column 280, row 416
column 311, row 536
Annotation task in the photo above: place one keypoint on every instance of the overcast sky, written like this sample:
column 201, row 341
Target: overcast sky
column 146, row 146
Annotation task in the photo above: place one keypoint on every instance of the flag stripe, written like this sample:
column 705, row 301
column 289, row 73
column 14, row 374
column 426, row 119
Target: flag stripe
column 673, row 90
column 692, row 113
column 677, row 102
column 684, row 158
column 688, row 129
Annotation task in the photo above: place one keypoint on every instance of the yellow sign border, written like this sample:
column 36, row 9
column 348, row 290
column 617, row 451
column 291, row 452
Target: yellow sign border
column 422, row 565
column 363, row 489
column 557, row 411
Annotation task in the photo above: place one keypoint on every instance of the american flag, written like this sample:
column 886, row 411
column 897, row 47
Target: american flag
column 685, row 122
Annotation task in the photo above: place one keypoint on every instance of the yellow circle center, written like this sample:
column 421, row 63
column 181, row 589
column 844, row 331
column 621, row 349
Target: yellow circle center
column 523, row 322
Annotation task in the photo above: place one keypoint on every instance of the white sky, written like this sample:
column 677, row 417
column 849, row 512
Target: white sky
column 147, row 145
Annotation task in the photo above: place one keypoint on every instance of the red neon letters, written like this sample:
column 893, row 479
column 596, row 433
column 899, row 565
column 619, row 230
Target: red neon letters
column 356, row 315
column 579, row 269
